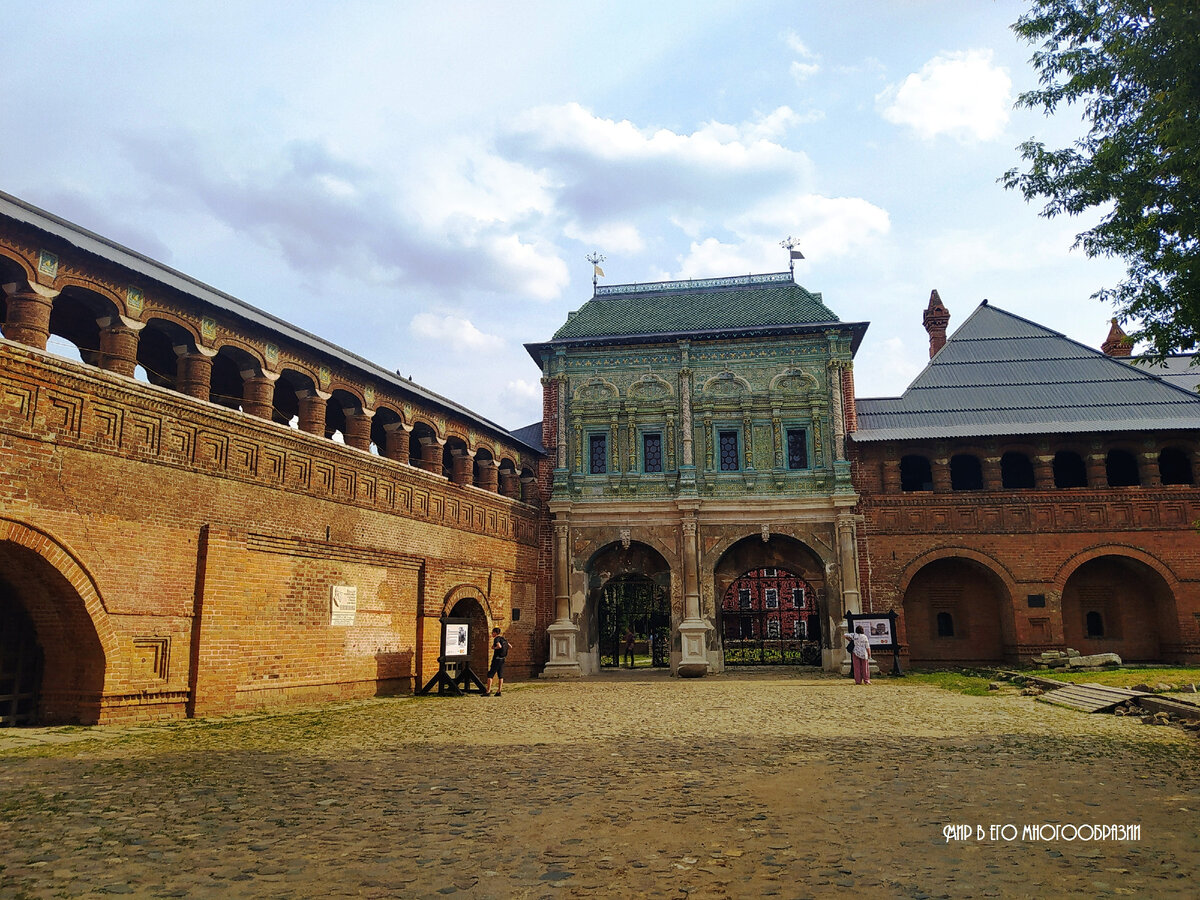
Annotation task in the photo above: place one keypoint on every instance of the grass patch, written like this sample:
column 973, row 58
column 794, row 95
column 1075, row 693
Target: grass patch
column 960, row 681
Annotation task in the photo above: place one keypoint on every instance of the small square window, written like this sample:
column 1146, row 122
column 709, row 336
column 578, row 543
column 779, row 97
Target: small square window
column 598, row 454
column 652, row 452
column 727, row 441
column 797, row 448
column 1036, row 601
column 771, row 598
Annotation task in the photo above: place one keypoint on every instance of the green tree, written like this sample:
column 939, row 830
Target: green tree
column 1134, row 68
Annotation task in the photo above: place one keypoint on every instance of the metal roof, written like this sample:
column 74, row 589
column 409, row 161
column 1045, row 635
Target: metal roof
column 1000, row 374
column 97, row 245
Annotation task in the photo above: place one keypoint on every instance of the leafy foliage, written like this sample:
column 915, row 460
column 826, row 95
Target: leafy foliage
column 1134, row 67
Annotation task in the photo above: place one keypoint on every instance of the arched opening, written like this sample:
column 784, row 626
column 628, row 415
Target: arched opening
column 227, row 383
column 1069, row 470
column 915, row 473
column 956, row 611
column 291, row 386
column 1119, row 605
column 381, row 434
column 479, row 640
column 423, row 450
column 966, row 474
column 74, row 324
column 772, row 603
column 1174, row 466
column 1121, row 469
column 1016, row 472
column 156, row 353
column 52, row 665
column 457, row 464
column 530, row 491
column 629, row 588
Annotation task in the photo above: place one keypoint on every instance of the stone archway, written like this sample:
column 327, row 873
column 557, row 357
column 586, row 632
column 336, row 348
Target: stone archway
column 51, row 622
column 772, row 605
column 956, row 611
column 471, row 607
column 1115, row 604
column 627, row 586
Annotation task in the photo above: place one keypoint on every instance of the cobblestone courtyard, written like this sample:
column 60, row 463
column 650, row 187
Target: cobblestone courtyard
column 765, row 784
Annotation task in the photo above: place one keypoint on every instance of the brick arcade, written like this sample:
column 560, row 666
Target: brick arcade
column 210, row 510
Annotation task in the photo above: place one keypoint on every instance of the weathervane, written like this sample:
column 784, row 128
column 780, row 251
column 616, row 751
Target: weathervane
column 790, row 244
column 595, row 258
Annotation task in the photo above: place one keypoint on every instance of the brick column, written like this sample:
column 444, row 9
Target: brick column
column 531, row 491
column 510, row 484
column 358, row 428
column 489, row 475
column 312, row 412
column 431, row 454
column 1097, row 470
column 993, row 480
column 119, row 344
column 941, row 474
column 28, row 319
column 1043, row 472
column 193, row 372
column 462, row 467
column 891, row 476
column 396, row 444
column 258, row 394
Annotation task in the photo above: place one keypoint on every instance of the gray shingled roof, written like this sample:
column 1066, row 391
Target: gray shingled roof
column 90, row 242
column 1177, row 370
column 1000, row 374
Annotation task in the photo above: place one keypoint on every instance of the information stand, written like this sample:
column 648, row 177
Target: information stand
column 880, row 629
column 454, row 675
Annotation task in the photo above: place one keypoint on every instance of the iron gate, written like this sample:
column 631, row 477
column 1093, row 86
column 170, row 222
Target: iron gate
column 20, row 664
column 769, row 617
column 634, row 602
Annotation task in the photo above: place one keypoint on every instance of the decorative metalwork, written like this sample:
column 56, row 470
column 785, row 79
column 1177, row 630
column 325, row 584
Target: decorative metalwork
column 597, row 454
column 693, row 284
column 797, row 448
column 652, row 460
column 634, row 603
column 728, row 443
column 770, row 617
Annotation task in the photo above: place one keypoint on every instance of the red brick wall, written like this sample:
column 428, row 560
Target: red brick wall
column 212, row 538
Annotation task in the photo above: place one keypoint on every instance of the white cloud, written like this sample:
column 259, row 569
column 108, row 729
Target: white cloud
column 453, row 330
column 610, row 237
column 797, row 46
column 803, row 71
column 962, row 95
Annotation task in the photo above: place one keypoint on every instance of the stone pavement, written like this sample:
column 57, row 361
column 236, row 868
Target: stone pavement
column 767, row 784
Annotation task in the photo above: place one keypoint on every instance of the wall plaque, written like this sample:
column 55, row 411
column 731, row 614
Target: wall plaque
column 343, row 602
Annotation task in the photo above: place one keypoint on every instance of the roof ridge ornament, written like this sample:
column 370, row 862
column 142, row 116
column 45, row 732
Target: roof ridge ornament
column 791, row 245
column 595, row 258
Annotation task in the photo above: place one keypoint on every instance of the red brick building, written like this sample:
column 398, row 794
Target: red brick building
column 1028, row 493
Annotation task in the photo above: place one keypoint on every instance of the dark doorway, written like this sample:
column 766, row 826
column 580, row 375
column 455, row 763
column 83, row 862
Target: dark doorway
column 634, row 602
column 20, row 663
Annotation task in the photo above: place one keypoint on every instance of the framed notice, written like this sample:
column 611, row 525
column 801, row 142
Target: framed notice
column 879, row 631
column 456, row 637
column 343, row 603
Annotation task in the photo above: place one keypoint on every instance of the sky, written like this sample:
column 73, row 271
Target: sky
column 421, row 182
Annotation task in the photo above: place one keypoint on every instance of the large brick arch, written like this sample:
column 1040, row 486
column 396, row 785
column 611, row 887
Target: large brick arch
column 957, row 607
column 471, row 602
column 74, row 631
column 1072, row 564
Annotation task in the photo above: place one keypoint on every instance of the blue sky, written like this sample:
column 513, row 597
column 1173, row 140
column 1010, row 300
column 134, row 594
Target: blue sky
column 420, row 182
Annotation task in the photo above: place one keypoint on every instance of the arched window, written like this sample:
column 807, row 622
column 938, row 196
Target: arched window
column 966, row 474
column 1094, row 624
column 1122, row 469
column 1016, row 471
column 1069, row 470
column 1174, row 467
column 945, row 624
column 915, row 474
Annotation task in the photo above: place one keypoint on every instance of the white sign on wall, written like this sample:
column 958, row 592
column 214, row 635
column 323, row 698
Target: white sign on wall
column 343, row 602
column 457, row 639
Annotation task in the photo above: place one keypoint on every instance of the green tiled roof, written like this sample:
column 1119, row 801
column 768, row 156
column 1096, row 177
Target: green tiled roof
column 683, row 307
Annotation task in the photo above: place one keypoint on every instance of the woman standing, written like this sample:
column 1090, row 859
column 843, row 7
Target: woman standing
column 860, row 657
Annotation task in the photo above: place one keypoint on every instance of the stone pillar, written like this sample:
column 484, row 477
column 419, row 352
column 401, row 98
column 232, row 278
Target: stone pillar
column 258, row 393
column 564, row 634
column 431, row 454
column 836, row 658
column 358, row 428
column 489, row 475
column 838, row 410
column 119, row 344
column 396, row 443
column 462, row 467
column 561, row 420
column 687, row 431
column 28, row 320
column 193, row 371
column 693, row 630
column 312, row 412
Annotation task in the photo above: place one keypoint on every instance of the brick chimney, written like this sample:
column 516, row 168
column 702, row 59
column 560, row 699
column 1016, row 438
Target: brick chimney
column 935, row 320
column 1117, row 343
